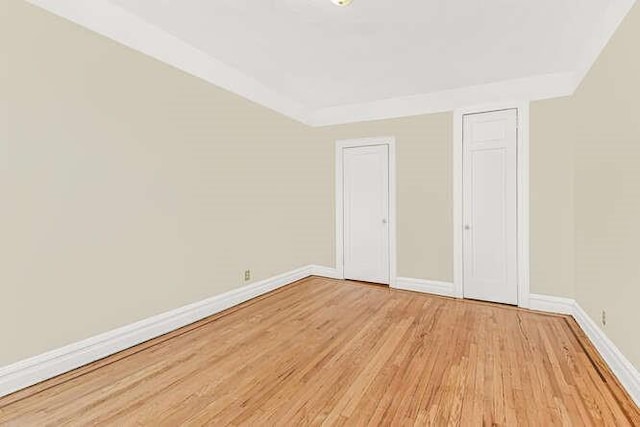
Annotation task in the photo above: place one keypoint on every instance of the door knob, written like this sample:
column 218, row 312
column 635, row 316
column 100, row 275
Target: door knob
column 467, row 227
column 384, row 220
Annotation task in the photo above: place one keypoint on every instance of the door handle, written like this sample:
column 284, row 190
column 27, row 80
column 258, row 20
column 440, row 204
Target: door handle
column 384, row 220
column 467, row 227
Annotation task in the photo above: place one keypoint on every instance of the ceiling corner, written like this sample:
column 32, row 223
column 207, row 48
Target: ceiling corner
column 615, row 13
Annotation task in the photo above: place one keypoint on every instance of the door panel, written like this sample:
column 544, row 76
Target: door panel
column 490, row 206
column 366, row 213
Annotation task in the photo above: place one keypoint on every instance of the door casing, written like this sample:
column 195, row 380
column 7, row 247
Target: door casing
column 523, row 263
column 339, row 201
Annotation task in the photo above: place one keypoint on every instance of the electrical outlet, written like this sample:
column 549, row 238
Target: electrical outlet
column 604, row 318
column 247, row 275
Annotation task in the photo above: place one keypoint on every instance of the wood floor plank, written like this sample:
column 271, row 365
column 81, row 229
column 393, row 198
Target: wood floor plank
column 328, row 352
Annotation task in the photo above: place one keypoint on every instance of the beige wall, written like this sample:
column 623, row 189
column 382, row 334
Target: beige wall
column 551, row 199
column 606, row 120
column 130, row 188
column 596, row 133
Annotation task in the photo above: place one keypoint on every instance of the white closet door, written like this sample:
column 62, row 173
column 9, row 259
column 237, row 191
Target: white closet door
column 366, row 213
column 490, row 206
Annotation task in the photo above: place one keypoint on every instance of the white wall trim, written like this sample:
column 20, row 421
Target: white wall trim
column 531, row 88
column 523, row 196
column 622, row 368
column 50, row 364
column 551, row 304
column 328, row 272
column 339, row 190
column 112, row 21
column 433, row 287
column 31, row 371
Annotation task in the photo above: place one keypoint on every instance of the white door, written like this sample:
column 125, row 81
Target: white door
column 490, row 206
column 366, row 213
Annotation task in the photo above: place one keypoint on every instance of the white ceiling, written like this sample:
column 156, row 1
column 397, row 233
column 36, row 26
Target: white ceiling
column 323, row 55
column 334, row 64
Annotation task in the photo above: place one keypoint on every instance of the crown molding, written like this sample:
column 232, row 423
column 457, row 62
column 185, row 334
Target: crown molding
column 530, row 89
column 116, row 23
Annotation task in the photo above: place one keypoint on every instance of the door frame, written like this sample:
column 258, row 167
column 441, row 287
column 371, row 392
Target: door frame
column 523, row 244
column 389, row 141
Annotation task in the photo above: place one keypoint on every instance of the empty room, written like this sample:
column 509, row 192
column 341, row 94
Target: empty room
column 319, row 212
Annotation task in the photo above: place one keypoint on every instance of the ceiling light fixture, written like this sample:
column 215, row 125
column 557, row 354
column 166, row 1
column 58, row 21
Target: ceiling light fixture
column 342, row 2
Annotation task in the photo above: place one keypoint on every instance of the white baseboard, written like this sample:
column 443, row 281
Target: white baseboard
column 425, row 286
column 626, row 373
column 329, row 272
column 551, row 304
column 48, row 365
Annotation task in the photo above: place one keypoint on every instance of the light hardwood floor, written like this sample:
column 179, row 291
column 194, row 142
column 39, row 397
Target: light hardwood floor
column 332, row 352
